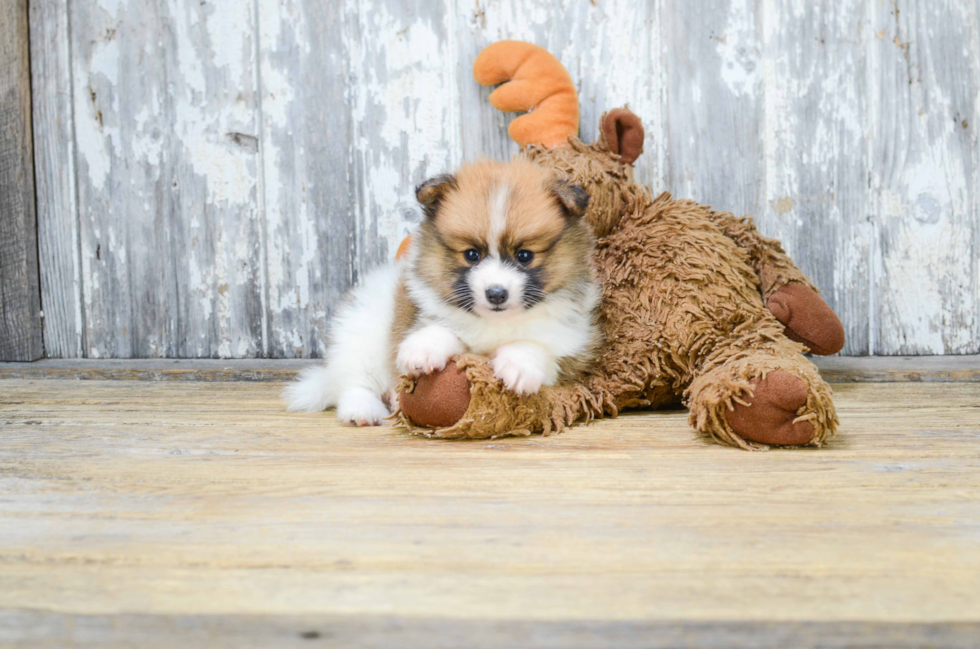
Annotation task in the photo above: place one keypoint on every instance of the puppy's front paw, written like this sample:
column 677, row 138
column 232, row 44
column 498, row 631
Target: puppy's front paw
column 523, row 368
column 360, row 407
column 427, row 350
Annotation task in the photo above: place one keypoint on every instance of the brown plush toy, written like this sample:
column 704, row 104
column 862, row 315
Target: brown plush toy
column 698, row 308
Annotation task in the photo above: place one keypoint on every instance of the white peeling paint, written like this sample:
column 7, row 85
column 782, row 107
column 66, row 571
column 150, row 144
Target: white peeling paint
column 400, row 108
column 737, row 49
column 201, row 174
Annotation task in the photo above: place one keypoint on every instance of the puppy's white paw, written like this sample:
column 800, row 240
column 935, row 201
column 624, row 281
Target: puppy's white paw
column 360, row 407
column 427, row 350
column 522, row 367
column 391, row 399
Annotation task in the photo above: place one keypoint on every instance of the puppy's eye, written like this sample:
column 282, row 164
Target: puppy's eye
column 524, row 257
column 472, row 255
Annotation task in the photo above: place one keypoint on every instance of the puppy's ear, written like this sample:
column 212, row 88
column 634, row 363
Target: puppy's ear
column 572, row 198
column 432, row 191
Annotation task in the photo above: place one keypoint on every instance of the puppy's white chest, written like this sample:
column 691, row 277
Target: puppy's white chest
column 492, row 337
column 559, row 335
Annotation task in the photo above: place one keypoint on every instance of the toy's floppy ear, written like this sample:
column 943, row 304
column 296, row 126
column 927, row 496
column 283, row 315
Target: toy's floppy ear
column 623, row 132
column 572, row 198
column 432, row 191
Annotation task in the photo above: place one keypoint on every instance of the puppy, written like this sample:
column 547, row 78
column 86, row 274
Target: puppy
column 500, row 266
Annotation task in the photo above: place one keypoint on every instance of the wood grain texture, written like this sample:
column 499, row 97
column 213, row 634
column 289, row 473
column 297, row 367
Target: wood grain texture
column 714, row 57
column 55, row 630
column 232, row 228
column 402, row 56
column 166, row 129
column 20, row 295
column 132, row 505
column 816, row 166
column 891, row 369
column 54, row 169
column 924, row 173
column 163, row 369
column 307, row 171
column 834, row 369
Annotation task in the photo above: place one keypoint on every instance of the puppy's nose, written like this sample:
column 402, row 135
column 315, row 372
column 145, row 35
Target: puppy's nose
column 496, row 295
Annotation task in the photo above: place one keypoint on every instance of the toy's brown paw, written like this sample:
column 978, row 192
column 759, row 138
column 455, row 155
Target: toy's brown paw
column 439, row 400
column 807, row 318
column 768, row 419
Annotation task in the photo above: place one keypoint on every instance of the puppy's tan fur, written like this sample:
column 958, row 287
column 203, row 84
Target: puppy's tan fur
column 500, row 266
column 541, row 216
column 535, row 221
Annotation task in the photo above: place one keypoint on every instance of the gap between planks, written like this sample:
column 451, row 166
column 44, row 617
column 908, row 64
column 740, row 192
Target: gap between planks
column 834, row 369
column 48, row 629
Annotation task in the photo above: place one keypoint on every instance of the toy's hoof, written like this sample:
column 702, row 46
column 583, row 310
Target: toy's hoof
column 807, row 318
column 439, row 399
column 768, row 419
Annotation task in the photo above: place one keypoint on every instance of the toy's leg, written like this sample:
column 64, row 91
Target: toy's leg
column 465, row 400
column 807, row 318
column 786, row 291
column 770, row 395
column 766, row 256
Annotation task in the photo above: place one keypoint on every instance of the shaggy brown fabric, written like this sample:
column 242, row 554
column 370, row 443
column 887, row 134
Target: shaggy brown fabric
column 807, row 318
column 682, row 313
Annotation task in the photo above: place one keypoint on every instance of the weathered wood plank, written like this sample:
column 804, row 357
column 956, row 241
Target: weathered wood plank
column 20, row 295
column 897, row 369
column 816, row 123
column 358, row 107
column 166, row 128
column 713, row 55
column 215, row 222
column 924, row 64
column 158, row 369
column 209, row 499
column 41, row 629
column 54, row 167
column 307, row 171
column 404, row 113
column 835, row 369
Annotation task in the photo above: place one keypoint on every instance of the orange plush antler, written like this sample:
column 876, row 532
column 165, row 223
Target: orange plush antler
column 535, row 81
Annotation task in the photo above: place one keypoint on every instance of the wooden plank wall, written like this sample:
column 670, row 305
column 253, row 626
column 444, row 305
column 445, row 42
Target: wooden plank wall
column 20, row 295
column 213, row 176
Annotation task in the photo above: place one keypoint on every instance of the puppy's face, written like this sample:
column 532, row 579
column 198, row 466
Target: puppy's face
column 499, row 239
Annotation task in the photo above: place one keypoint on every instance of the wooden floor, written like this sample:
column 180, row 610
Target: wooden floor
column 136, row 513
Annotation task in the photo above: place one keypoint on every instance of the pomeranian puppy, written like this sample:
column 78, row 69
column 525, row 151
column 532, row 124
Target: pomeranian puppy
column 500, row 266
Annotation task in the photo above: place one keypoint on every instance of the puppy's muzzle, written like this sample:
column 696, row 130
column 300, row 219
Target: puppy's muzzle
column 496, row 295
